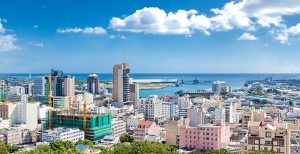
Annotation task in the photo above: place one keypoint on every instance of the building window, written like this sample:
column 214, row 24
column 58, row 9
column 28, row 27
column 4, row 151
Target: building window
column 268, row 134
column 268, row 142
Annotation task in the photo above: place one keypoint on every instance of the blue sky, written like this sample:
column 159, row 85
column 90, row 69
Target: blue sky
column 184, row 36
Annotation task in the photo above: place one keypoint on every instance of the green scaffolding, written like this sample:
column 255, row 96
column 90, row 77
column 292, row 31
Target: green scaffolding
column 97, row 126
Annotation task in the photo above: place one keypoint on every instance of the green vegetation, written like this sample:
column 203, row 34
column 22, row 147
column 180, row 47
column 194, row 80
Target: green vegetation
column 126, row 138
column 141, row 148
column 86, row 142
column 4, row 149
column 67, row 147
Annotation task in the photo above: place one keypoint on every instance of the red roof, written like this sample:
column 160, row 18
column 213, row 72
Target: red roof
column 145, row 123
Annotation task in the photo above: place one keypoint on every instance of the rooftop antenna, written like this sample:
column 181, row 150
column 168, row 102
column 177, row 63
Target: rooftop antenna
column 124, row 57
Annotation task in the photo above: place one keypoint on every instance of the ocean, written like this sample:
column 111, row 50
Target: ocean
column 234, row 80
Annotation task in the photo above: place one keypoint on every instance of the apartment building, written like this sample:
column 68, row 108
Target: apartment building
column 204, row 137
column 144, row 129
column 268, row 135
column 65, row 134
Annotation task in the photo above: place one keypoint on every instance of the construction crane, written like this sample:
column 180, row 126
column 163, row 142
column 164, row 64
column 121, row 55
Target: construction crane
column 84, row 118
column 50, row 101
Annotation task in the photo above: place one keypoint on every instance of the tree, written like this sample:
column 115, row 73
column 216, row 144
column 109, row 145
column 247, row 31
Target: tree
column 12, row 148
column 141, row 148
column 126, row 138
column 3, row 148
column 221, row 151
column 41, row 149
column 62, row 146
column 86, row 142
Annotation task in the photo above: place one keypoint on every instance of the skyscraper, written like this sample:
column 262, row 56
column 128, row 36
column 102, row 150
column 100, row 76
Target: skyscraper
column 69, row 86
column 93, row 84
column 121, row 82
column 39, row 86
column 58, row 82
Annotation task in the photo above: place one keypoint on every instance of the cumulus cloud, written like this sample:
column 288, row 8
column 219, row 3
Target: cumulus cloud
column 247, row 37
column 86, row 30
column 246, row 15
column 6, row 40
column 285, row 34
column 153, row 20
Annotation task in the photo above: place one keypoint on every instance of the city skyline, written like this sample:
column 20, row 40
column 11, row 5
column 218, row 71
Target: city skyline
column 152, row 36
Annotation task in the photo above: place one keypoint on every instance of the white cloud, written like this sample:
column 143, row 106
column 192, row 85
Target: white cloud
column 87, row 30
column 230, row 16
column 7, row 43
column 122, row 37
column 247, row 15
column 1, row 27
column 287, row 33
column 247, row 37
column 153, row 20
column 6, row 40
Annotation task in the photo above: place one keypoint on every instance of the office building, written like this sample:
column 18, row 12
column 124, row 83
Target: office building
column 39, row 86
column 121, row 82
column 134, row 93
column 57, row 77
column 93, row 84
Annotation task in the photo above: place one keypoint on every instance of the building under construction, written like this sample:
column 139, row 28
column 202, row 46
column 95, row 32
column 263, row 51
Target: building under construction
column 95, row 126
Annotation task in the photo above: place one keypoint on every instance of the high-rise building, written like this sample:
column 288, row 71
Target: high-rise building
column 57, row 82
column 134, row 93
column 220, row 115
column 121, row 82
column 20, row 113
column 197, row 116
column 169, row 109
column 93, row 84
column 69, row 86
